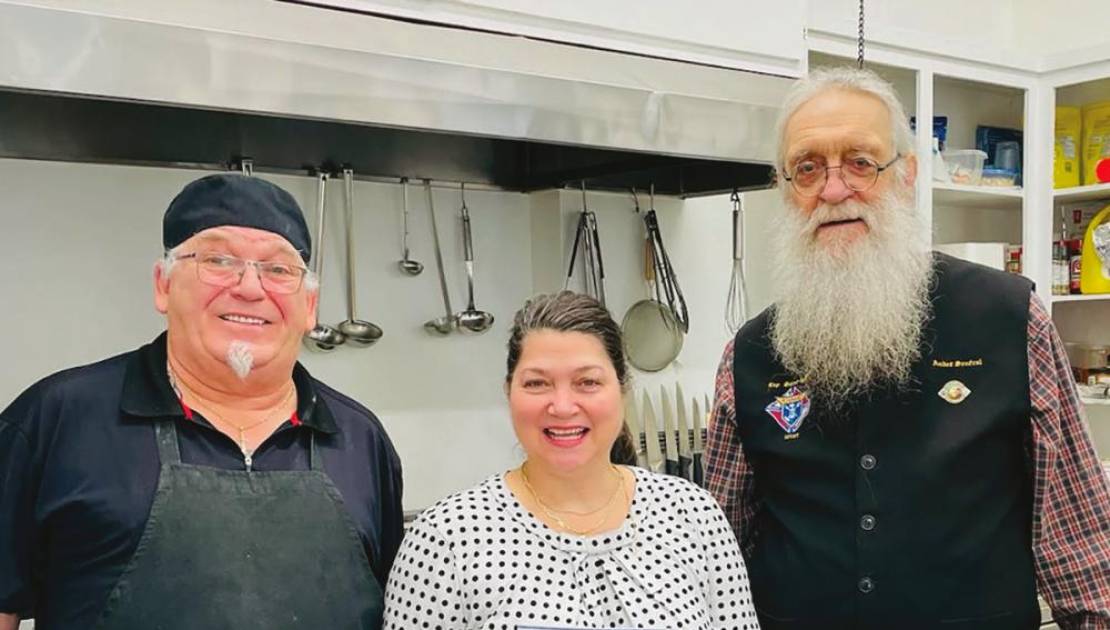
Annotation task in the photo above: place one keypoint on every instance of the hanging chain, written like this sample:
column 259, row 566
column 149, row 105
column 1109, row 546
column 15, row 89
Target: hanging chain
column 859, row 59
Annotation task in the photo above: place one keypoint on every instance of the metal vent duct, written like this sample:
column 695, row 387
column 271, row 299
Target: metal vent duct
column 294, row 86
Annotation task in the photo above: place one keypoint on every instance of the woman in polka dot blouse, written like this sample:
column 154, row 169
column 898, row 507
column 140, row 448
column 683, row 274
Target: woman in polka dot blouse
column 568, row 539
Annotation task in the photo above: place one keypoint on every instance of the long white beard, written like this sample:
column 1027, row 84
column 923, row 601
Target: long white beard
column 849, row 317
column 240, row 358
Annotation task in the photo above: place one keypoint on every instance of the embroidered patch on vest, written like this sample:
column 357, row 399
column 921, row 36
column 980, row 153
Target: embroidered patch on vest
column 954, row 392
column 790, row 409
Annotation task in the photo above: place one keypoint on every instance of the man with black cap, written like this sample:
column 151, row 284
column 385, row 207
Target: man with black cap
column 205, row 480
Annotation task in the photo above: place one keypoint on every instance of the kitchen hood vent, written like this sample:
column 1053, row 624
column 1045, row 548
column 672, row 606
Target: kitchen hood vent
column 294, row 87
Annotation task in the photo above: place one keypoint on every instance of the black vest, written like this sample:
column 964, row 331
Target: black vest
column 909, row 510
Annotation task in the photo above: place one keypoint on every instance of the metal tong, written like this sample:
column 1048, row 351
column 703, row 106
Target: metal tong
column 666, row 282
column 586, row 238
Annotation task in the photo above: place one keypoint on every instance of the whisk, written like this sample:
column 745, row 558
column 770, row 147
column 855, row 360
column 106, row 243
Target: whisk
column 736, row 306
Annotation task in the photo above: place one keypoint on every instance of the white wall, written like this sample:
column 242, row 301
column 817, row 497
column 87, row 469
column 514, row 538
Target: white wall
column 986, row 27
column 80, row 241
column 1062, row 27
column 661, row 28
column 990, row 22
column 1020, row 34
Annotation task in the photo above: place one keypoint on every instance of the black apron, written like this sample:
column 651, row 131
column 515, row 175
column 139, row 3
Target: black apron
column 229, row 549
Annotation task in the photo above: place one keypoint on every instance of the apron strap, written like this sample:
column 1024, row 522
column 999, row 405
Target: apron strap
column 169, row 451
column 165, row 434
column 315, row 462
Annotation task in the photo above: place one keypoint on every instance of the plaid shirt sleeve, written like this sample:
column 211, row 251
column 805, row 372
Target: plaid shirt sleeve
column 728, row 474
column 1071, row 495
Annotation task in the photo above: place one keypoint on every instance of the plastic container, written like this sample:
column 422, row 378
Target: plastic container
column 1065, row 160
column 989, row 139
column 1096, row 139
column 1007, row 156
column 965, row 166
column 999, row 177
column 1094, row 270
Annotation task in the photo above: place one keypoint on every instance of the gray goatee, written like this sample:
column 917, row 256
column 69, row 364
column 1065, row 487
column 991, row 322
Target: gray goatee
column 849, row 317
column 240, row 358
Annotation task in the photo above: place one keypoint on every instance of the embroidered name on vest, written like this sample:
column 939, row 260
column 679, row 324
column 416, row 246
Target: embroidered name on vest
column 957, row 363
column 784, row 384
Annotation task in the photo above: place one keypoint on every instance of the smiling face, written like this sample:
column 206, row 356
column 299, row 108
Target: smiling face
column 833, row 128
column 203, row 320
column 565, row 400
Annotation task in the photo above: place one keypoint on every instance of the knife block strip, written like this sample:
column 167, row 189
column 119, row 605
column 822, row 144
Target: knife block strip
column 662, row 437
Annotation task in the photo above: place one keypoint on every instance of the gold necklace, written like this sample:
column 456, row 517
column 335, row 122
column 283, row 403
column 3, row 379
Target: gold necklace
column 554, row 514
column 214, row 416
column 242, row 430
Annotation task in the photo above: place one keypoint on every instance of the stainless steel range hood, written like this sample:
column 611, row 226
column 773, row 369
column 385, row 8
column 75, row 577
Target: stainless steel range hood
column 292, row 86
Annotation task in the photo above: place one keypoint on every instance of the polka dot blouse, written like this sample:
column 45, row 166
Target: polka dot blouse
column 479, row 560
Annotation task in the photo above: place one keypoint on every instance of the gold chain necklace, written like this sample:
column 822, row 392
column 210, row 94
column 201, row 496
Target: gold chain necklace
column 554, row 514
column 214, row 416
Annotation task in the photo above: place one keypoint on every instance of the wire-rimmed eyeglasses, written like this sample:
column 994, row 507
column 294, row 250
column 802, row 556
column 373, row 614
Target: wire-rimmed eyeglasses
column 223, row 270
column 858, row 173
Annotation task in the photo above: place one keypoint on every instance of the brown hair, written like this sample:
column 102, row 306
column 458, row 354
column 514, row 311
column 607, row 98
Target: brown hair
column 567, row 311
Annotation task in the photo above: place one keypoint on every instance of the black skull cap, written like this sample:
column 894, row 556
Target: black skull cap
column 236, row 200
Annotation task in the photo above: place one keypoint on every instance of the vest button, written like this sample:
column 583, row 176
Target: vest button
column 867, row 522
column 867, row 462
column 866, row 585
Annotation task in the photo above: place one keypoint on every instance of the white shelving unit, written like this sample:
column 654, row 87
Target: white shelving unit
column 964, row 196
column 1097, row 297
column 1082, row 193
column 962, row 213
column 1081, row 318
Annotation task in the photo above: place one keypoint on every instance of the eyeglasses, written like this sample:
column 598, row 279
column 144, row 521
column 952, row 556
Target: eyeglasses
column 858, row 173
column 222, row 270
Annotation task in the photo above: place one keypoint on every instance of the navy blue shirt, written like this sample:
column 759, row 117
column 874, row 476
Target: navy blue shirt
column 79, row 468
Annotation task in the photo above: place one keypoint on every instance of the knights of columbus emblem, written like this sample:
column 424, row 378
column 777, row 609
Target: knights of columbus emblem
column 790, row 409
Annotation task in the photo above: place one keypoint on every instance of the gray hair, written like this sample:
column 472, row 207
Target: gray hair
column 169, row 259
column 823, row 79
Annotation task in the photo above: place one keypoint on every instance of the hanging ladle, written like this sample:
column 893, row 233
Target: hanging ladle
column 470, row 320
column 440, row 325
column 322, row 338
column 406, row 264
column 357, row 331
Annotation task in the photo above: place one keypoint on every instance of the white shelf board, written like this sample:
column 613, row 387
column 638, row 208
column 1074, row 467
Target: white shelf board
column 1094, row 297
column 1082, row 193
column 1094, row 401
column 963, row 196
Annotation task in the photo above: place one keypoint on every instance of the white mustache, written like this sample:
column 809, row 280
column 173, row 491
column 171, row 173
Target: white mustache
column 845, row 211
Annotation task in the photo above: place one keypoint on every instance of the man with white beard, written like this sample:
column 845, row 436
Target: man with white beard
column 205, row 480
column 897, row 441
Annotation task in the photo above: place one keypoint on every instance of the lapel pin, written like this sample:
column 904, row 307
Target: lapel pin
column 954, row 392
